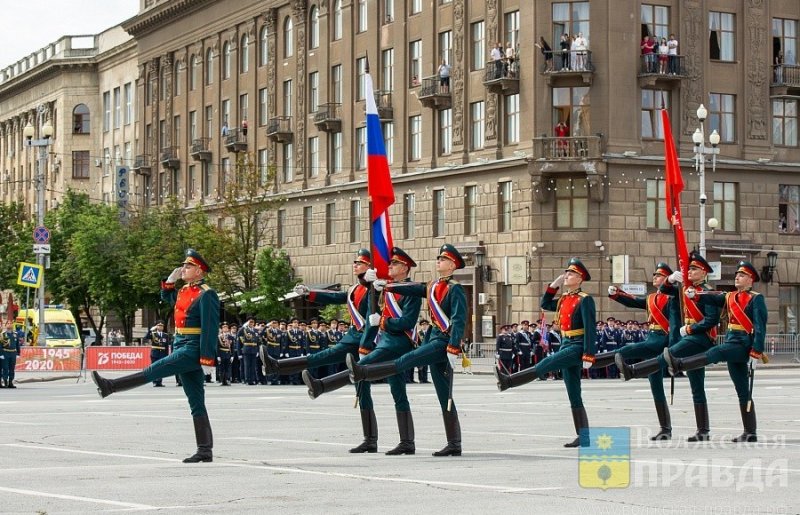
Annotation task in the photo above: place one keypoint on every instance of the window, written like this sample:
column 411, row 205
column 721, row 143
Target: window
column 162, row 85
column 263, row 111
column 263, row 46
column 387, row 70
column 162, row 134
column 655, row 21
column 512, row 118
column 504, row 206
column 117, row 108
column 313, row 156
column 176, row 78
column 263, row 166
column 225, row 116
column 571, row 106
column 784, row 41
column 80, row 119
column 651, row 113
column 512, row 30
column 106, row 111
column 721, row 36
column 657, row 204
column 336, row 83
column 445, row 132
column 784, row 122
column 148, row 92
column 80, row 164
column 209, row 67
column 225, row 170
column 330, row 223
column 388, row 8
column 191, row 181
column 106, row 162
column 128, row 92
column 226, row 60
column 361, row 148
column 415, row 62
column 572, row 203
column 721, row 116
column 288, row 163
column 281, row 229
column 470, row 210
column 789, row 209
column 725, row 206
column 176, row 131
column 415, row 138
column 287, row 97
column 128, row 150
column 337, row 151
column 207, row 178
column 209, row 122
column 788, row 308
column 478, row 35
column 570, row 18
column 308, row 225
column 355, row 221
column 416, row 6
column 313, row 91
column 244, row 54
column 477, row 134
column 194, row 63
column 192, row 125
column 244, row 106
column 388, row 141
column 361, row 78
column 438, row 213
column 445, row 47
column 313, row 33
column 338, row 20
column 362, row 15
column 409, row 215
column 288, row 37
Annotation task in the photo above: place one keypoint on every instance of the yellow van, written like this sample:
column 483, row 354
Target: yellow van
column 62, row 331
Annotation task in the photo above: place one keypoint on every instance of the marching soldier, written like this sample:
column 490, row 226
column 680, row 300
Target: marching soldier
column 441, row 349
column 159, row 347
column 224, row 355
column 697, row 333
column 505, row 349
column 575, row 315
column 248, row 340
column 195, row 344
column 10, row 343
column 659, row 308
column 524, row 345
column 744, row 340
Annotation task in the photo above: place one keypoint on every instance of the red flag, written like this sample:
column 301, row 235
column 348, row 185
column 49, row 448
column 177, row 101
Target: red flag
column 674, row 187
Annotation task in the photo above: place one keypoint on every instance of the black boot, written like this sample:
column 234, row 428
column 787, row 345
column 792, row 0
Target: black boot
column 581, row 422
column 205, row 441
column 604, row 359
column 106, row 387
column 506, row 381
column 452, row 429
column 701, row 417
column 369, row 424
column 317, row 387
column 281, row 367
column 664, row 420
column 677, row 365
column 10, row 383
column 638, row 370
column 749, row 423
column 372, row 372
column 405, row 424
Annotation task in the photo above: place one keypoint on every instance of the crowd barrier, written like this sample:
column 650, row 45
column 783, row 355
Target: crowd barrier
column 63, row 359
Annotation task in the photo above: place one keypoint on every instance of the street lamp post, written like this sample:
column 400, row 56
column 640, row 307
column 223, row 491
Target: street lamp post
column 42, row 144
column 700, row 152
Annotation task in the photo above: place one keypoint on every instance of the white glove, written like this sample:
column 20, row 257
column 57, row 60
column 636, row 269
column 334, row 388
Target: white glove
column 231, row 359
column 612, row 290
column 375, row 319
column 2, row 357
column 301, row 289
column 497, row 356
column 379, row 284
column 556, row 284
column 675, row 277
column 282, row 355
column 453, row 359
column 219, row 360
column 753, row 362
column 684, row 332
column 174, row 276
column 690, row 292
column 207, row 370
column 370, row 275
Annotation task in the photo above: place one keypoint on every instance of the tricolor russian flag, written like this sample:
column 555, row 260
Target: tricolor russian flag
column 379, row 187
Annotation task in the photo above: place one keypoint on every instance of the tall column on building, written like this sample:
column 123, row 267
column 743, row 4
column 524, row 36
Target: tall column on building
column 300, row 14
column 271, row 17
column 457, row 74
column 756, row 87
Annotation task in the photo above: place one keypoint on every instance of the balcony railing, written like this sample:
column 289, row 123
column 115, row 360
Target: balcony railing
column 201, row 149
column 169, row 157
column 383, row 100
column 571, row 148
column 279, row 129
column 661, row 69
column 568, row 64
column 328, row 117
column 502, row 76
column 236, row 140
column 787, row 75
column 433, row 94
column 142, row 164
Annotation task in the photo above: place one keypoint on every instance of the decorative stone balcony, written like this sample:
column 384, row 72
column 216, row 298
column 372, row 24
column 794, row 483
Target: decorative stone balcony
column 328, row 117
column 169, row 158
column 433, row 95
column 201, row 150
column 279, row 129
column 236, row 140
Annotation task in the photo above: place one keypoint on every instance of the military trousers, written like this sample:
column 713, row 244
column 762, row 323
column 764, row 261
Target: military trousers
column 652, row 347
column 736, row 352
column 568, row 360
column 390, row 349
column 8, row 365
column 185, row 363
column 689, row 346
column 433, row 353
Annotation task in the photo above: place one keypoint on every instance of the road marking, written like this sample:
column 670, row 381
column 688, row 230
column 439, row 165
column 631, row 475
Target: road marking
column 65, row 497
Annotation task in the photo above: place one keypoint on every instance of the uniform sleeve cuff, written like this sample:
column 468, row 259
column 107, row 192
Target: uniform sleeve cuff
column 312, row 295
column 453, row 350
column 167, row 286
column 551, row 290
column 208, row 362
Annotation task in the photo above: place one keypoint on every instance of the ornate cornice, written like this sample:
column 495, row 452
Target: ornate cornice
column 161, row 16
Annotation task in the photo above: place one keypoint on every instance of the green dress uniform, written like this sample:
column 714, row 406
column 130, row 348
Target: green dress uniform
column 9, row 352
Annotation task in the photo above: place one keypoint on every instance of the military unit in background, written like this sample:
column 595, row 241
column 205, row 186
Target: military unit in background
column 10, row 344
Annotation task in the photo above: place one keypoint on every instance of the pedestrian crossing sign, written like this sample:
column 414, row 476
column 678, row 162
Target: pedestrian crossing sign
column 30, row 275
column 605, row 459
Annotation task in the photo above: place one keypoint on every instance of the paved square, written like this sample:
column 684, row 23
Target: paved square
column 64, row 450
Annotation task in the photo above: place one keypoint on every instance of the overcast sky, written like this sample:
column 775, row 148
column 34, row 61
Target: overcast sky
column 29, row 25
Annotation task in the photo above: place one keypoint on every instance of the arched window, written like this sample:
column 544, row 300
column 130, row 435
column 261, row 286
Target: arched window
column 263, row 46
column 176, row 78
column 244, row 54
column 337, row 20
column 226, row 61
column 288, row 37
column 80, row 119
column 313, row 34
column 209, row 67
column 194, row 63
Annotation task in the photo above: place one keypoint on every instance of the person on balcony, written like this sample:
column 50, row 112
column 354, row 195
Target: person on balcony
column 562, row 145
column 672, row 44
column 444, row 77
column 547, row 52
column 663, row 56
column 648, row 49
column 580, row 45
column 565, row 45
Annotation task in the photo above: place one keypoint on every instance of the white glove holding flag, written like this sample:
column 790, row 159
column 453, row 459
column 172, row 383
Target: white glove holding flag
column 612, row 290
column 370, row 275
column 556, row 284
column 379, row 284
column 675, row 277
column 174, row 276
column 301, row 289
column 690, row 292
column 684, row 331
column 375, row 320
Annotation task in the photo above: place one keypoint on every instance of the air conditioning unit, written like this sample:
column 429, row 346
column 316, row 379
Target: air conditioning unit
column 483, row 299
column 98, row 162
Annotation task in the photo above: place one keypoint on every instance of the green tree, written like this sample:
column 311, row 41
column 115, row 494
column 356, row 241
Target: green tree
column 17, row 244
column 275, row 278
